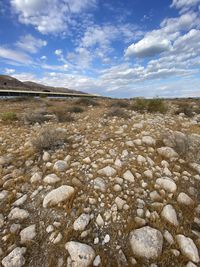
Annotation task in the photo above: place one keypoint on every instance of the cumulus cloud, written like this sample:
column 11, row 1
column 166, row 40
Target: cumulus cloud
column 49, row 16
column 184, row 5
column 30, row 44
column 149, row 46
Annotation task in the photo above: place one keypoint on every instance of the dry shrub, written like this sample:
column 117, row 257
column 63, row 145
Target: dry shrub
column 33, row 117
column 63, row 116
column 185, row 108
column 49, row 138
column 76, row 109
column 120, row 104
column 86, row 102
column 118, row 113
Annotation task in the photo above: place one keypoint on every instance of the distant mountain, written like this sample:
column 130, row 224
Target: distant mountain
column 11, row 83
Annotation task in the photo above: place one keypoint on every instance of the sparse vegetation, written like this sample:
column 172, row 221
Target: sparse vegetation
column 86, row 102
column 117, row 113
column 150, row 105
column 185, row 108
column 49, row 138
column 76, row 109
column 33, row 117
column 63, row 116
column 120, row 104
column 8, row 116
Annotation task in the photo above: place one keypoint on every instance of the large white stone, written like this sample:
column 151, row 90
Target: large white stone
column 167, row 152
column 169, row 214
column 167, row 184
column 81, row 222
column 188, row 248
column 18, row 214
column 99, row 184
column 81, row 254
column 15, row 258
column 184, row 199
column 129, row 176
column 148, row 140
column 60, row 165
column 51, row 178
column 28, row 233
column 58, row 195
column 107, row 171
column 146, row 242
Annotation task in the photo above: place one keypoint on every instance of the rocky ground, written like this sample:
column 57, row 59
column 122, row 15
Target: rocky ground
column 116, row 191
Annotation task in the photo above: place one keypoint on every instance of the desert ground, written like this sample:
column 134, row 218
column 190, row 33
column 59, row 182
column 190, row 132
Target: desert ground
column 99, row 182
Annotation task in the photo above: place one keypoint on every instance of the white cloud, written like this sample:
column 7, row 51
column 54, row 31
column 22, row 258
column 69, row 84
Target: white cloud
column 58, row 52
column 9, row 71
column 30, row 44
column 148, row 46
column 14, row 56
column 49, row 16
column 184, row 5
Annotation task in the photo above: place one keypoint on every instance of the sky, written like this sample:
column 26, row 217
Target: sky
column 116, row 48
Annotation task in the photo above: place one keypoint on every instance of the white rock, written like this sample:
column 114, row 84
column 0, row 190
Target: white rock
column 15, row 258
column 148, row 174
column 167, row 184
column 148, row 140
column 97, row 261
column 46, row 156
column 60, row 166
column 141, row 160
column 81, row 222
column 107, row 171
column 120, row 203
column 184, row 199
column 106, row 239
column 51, row 178
column 28, row 233
column 87, row 160
column 58, row 195
column 146, row 242
column 167, row 152
column 129, row 176
column 20, row 201
column 81, row 254
column 18, row 214
column 190, row 264
column 118, row 163
column 195, row 167
column 188, row 248
column 169, row 214
column 36, row 177
column 99, row 220
column 168, row 237
column 99, row 184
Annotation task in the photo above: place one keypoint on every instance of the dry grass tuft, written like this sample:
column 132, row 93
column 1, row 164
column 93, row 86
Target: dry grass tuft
column 120, row 104
column 35, row 117
column 118, row 113
column 86, row 102
column 8, row 116
column 76, row 109
column 49, row 138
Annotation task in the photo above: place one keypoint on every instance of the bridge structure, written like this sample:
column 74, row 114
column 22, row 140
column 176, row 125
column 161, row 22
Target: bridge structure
column 13, row 93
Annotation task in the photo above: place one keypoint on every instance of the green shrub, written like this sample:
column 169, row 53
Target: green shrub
column 8, row 116
column 140, row 105
column 49, row 138
column 76, row 109
column 156, row 105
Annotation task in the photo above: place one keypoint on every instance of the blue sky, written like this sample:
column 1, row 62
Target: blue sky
column 118, row 48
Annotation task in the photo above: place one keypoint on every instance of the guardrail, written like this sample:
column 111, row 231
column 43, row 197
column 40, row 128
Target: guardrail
column 42, row 93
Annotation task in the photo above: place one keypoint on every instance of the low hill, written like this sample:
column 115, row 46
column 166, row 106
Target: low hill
column 11, row 83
